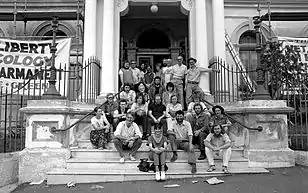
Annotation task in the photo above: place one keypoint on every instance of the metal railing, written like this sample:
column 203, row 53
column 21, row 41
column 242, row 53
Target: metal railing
column 76, row 84
column 227, row 86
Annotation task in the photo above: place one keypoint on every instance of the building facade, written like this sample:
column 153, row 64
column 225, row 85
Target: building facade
column 149, row 30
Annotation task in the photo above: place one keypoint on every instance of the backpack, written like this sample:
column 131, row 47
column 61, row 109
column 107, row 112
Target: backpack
column 144, row 165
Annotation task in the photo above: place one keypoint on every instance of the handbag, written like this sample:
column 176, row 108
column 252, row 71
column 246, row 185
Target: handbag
column 144, row 165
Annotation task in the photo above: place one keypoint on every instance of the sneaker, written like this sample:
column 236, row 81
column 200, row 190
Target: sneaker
column 163, row 175
column 225, row 169
column 211, row 168
column 132, row 158
column 174, row 158
column 122, row 160
column 193, row 168
column 157, row 176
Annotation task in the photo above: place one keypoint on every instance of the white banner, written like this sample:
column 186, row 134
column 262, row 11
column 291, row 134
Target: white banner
column 20, row 60
column 299, row 44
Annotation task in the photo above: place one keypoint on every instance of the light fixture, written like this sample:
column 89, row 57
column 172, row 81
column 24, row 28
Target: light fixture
column 154, row 8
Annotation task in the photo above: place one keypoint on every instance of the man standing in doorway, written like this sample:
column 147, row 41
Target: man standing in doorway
column 193, row 80
column 137, row 76
column 167, row 72
column 178, row 78
column 126, row 75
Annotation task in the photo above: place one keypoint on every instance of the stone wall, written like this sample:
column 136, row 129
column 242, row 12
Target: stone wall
column 301, row 158
column 8, row 168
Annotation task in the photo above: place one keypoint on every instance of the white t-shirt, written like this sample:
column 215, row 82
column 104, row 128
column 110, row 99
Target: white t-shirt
column 137, row 75
column 99, row 122
column 125, row 131
column 167, row 71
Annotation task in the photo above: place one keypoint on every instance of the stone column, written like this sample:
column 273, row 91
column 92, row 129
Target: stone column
column 219, row 28
column 202, row 44
column 89, row 45
column 89, row 49
column 108, row 53
column 192, row 31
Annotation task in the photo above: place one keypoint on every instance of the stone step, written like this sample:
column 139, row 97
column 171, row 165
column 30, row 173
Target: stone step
column 86, row 144
column 98, row 175
column 141, row 153
column 114, row 164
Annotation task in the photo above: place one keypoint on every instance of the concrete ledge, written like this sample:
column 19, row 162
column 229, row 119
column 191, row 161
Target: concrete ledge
column 35, row 163
column 271, row 158
column 301, row 158
column 8, row 168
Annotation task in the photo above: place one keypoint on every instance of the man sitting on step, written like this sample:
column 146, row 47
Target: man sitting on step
column 127, row 136
column 218, row 143
column 200, row 126
column 180, row 136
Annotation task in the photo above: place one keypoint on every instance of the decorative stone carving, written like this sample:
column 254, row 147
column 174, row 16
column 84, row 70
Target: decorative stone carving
column 122, row 6
column 186, row 6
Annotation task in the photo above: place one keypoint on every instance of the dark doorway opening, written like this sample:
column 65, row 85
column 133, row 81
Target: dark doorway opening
column 153, row 38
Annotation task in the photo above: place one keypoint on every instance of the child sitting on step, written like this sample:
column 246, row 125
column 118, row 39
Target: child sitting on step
column 158, row 145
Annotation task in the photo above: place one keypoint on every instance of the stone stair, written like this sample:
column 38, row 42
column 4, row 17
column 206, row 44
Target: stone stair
column 93, row 165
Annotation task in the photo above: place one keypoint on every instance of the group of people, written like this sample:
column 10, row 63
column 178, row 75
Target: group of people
column 151, row 107
column 155, row 80
column 170, row 126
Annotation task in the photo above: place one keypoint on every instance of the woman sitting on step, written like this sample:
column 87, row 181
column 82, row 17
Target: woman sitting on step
column 100, row 135
column 158, row 145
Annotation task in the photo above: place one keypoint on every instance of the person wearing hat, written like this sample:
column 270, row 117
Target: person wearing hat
column 219, row 118
column 193, row 79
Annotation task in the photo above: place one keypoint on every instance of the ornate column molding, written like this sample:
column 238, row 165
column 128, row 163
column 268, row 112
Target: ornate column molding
column 122, row 7
column 186, row 6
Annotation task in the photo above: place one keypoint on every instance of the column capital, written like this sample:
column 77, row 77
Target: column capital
column 122, row 6
column 186, row 6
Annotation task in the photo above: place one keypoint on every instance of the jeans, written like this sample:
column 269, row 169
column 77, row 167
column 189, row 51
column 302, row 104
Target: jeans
column 225, row 153
column 184, row 145
column 119, row 145
column 199, row 140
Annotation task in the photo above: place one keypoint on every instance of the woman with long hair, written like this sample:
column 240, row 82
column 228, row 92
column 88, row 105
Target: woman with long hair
column 140, row 109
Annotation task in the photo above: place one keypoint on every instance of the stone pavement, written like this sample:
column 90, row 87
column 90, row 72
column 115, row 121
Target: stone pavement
column 282, row 180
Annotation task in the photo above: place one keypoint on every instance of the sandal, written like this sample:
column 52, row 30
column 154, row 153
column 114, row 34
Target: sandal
column 212, row 168
column 225, row 170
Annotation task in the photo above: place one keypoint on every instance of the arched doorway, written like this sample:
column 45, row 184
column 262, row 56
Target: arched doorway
column 153, row 45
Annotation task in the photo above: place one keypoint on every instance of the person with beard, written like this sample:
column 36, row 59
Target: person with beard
column 149, row 76
column 219, row 143
column 126, row 75
column 156, row 88
column 180, row 136
column 219, row 118
column 200, row 126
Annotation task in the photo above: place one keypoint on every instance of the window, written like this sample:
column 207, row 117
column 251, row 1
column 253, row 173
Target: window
column 247, row 53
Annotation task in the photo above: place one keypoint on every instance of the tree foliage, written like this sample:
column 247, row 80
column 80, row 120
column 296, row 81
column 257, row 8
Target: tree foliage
column 284, row 68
